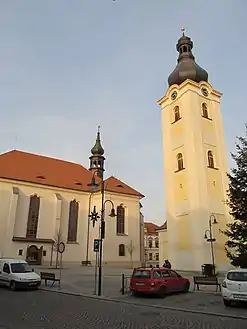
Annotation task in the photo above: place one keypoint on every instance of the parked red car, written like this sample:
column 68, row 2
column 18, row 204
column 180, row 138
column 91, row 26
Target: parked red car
column 158, row 281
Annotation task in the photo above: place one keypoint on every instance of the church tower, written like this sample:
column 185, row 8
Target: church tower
column 97, row 158
column 195, row 165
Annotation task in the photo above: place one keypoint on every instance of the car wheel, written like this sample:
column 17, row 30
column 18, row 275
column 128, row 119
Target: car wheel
column 12, row 285
column 135, row 294
column 186, row 287
column 227, row 302
column 162, row 292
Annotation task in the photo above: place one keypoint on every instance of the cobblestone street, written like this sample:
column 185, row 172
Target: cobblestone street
column 45, row 310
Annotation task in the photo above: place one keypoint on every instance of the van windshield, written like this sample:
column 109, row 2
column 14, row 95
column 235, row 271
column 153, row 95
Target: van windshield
column 20, row 268
column 237, row 276
column 142, row 274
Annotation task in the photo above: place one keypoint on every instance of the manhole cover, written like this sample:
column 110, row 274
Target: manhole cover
column 150, row 313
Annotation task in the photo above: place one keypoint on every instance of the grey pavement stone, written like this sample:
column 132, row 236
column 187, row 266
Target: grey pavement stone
column 81, row 279
column 44, row 310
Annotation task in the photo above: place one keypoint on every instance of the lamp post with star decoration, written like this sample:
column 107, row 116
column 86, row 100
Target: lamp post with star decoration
column 97, row 167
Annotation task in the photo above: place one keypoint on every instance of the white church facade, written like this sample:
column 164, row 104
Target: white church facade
column 45, row 201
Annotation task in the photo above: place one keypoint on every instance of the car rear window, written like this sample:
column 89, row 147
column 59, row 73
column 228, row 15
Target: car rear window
column 237, row 276
column 141, row 274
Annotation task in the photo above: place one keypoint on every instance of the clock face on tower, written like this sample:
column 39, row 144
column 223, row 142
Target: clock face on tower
column 174, row 95
column 204, row 91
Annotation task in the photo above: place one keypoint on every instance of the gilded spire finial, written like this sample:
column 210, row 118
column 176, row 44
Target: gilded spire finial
column 183, row 29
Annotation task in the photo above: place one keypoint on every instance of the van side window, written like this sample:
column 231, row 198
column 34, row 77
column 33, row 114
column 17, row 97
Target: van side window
column 6, row 268
column 165, row 274
column 157, row 274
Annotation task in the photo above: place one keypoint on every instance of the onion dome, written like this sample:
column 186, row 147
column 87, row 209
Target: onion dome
column 97, row 149
column 186, row 67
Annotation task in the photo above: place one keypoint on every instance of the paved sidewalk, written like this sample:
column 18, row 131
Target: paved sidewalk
column 80, row 281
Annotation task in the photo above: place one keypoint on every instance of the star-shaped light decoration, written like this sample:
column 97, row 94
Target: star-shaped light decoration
column 94, row 216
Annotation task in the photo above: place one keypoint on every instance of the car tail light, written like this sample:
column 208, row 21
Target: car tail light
column 224, row 284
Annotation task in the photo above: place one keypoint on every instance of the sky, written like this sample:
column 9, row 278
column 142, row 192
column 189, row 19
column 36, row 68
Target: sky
column 67, row 66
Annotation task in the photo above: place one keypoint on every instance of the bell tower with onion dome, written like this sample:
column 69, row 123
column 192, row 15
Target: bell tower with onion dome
column 195, row 165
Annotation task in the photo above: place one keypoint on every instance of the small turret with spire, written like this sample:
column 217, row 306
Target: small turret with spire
column 97, row 158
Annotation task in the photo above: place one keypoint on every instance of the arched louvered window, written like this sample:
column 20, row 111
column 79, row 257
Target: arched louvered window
column 33, row 217
column 204, row 110
column 120, row 220
column 180, row 161
column 176, row 113
column 121, row 250
column 73, row 221
column 150, row 243
column 210, row 159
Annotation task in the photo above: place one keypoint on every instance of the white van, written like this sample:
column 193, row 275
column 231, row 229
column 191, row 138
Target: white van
column 234, row 286
column 16, row 273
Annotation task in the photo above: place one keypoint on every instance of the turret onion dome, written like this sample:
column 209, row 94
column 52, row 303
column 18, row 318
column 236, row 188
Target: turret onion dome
column 186, row 67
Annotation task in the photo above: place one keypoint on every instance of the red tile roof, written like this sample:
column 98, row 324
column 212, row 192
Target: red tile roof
column 113, row 184
column 151, row 227
column 33, row 168
column 162, row 227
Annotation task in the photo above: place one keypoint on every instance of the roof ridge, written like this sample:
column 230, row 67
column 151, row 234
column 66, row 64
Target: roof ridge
column 42, row 156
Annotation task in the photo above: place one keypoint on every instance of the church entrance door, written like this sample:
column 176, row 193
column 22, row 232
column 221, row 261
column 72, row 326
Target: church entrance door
column 34, row 255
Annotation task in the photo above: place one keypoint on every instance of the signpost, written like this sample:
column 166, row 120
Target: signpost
column 96, row 246
column 61, row 250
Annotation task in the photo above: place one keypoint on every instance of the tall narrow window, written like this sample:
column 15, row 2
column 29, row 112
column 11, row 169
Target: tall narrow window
column 156, row 243
column 180, row 161
column 120, row 220
column 204, row 110
column 33, row 217
column 210, row 159
column 73, row 221
column 176, row 113
column 121, row 250
column 150, row 243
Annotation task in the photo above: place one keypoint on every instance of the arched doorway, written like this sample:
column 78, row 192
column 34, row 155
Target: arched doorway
column 34, row 255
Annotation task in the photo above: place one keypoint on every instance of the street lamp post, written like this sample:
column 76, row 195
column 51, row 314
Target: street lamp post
column 88, row 226
column 102, row 226
column 209, row 237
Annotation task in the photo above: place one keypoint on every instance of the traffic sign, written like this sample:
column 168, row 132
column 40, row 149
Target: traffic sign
column 96, row 245
column 61, row 247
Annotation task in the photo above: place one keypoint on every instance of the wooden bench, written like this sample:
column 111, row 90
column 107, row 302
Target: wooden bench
column 47, row 276
column 86, row 263
column 206, row 281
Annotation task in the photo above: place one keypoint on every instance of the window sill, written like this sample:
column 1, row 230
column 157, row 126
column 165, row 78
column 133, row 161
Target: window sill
column 31, row 239
column 179, row 170
column 176, row 121
column 72, row 242
column 207, row 118
column 213, row 168
column 122, row 234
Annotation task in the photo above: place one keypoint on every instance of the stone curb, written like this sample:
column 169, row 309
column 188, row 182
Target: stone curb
column 114, row 300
